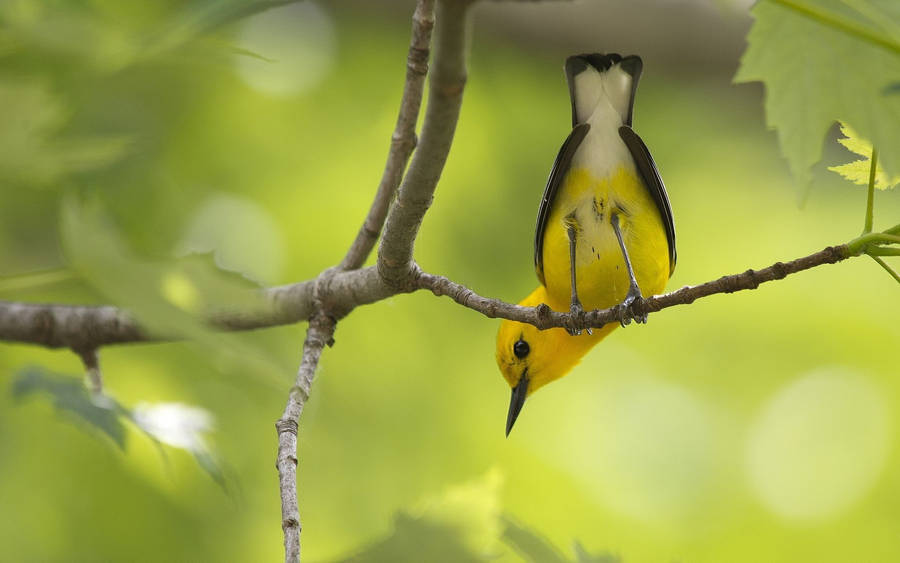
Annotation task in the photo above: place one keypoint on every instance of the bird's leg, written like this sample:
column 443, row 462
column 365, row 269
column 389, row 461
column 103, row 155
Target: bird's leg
column 626, row 307
column 576, row 309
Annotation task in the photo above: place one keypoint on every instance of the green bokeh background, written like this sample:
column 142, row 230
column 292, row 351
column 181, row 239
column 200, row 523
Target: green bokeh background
column 760, row 426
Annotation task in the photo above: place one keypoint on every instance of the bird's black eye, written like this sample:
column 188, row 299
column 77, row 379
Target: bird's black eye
column 521, row 349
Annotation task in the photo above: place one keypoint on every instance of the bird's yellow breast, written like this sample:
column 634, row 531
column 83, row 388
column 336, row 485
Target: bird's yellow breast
column 588, row 203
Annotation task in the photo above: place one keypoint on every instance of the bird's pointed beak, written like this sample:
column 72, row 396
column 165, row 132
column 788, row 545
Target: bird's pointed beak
column 519, row 392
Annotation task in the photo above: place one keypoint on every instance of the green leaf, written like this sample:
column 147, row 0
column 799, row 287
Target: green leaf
column 464, row 524
column 105, row 38
column 535, row 548
column 95, row 251
column 34, row 280
column 854, row 143
column 417, row 539
column 582, row 556
column 173, row 424
column 71, row 397
column 197, row 20
column 460, row 525
column 184, row 427
column 826, row 64
column 32, row 151
column 210, row 463
column 170, row 298
column 858, row 170
column 531, row 546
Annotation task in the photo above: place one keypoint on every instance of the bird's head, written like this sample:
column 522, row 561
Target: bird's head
column 530, row 358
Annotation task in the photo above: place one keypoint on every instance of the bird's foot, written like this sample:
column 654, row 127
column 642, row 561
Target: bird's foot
column 577, row 312
column 631, row 308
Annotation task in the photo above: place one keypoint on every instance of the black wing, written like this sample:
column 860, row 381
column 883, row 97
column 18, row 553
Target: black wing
column 560, row 167
column 654, row 183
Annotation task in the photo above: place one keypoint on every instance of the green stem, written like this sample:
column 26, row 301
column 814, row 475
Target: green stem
column 882, row 251
column 895, row 230
column 887, row 268
column 870, row 200
column 887, row 239
column 858, row 245
column 836, row 21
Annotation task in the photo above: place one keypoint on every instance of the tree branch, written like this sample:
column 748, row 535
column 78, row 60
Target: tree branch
column 76, row 327
column 448, row 79
column 318, row 334
column 403, row 140
column 84, row 327
column 67, row 326
column 543, row 317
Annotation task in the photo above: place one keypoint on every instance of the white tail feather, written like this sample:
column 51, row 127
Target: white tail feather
column 592, row 88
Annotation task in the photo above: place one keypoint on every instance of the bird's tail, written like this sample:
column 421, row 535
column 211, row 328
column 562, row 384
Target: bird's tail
column 594, row 77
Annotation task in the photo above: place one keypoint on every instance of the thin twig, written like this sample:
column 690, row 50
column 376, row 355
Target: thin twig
column 318, row 335
column 447, row 81
column 92, row 369
column 543, row 317
column 403, row 140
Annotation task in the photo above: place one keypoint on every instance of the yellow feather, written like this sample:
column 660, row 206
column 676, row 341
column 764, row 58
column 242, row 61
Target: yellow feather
column 602, row 278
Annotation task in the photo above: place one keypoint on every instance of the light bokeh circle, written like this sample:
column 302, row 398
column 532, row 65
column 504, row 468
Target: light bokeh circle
column 298, row 44
column 819, row 444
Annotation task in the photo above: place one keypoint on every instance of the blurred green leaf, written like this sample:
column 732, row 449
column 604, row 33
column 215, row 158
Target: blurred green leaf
column 199, row 18
column 72, row 31
column 213, row 467
column 104, row 414
column 32, row 152
column 184, row 427
column 582, row 556
column 70, row 397
column 418, row 539
column 156, row 295
column 816, row 74
column 464, row 524
column 535, row 548
column 858, row 170
column 105, row 38
column 34, row 280
column 169, row 298
column 460, row 525
column 531, row 546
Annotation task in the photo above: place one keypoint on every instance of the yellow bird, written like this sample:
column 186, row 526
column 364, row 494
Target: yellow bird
column 605, row 235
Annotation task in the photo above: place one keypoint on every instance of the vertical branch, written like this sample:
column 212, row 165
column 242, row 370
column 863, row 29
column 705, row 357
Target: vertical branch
column 448, row 78
column 403, row 140
column 318, row 335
